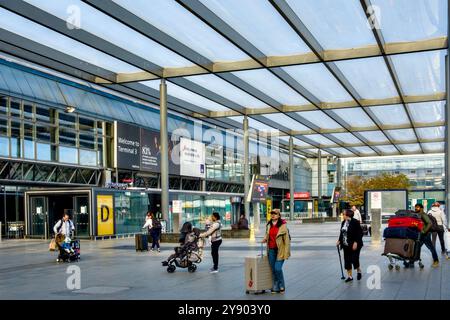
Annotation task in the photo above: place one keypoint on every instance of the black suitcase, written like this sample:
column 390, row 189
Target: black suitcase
column 141, row 242
column 401, row 233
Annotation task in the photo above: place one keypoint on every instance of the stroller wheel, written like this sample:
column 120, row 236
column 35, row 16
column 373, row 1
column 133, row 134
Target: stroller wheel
column 171, row 269
column 421, row 265
column 390, row 267
column 192, row 268
column 397, row 267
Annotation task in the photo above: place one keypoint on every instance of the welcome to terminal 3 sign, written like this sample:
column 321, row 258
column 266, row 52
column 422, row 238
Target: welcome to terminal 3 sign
column 139, row 149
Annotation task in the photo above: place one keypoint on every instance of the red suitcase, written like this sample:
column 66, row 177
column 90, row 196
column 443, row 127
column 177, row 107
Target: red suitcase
column 408, row 222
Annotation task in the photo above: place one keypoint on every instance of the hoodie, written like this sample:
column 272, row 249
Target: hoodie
column 439, row 215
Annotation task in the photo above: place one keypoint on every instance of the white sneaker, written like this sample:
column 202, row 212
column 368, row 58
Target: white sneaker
column 159, row 250
column 212, row 270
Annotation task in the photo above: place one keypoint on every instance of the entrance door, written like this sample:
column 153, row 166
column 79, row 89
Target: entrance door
column 81, row 216
column 39, row 216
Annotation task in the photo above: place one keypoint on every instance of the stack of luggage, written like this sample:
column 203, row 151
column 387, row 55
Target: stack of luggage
column 402, row 236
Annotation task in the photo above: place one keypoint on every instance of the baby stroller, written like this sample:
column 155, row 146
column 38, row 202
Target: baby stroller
column 188, row 255
column 73, row 254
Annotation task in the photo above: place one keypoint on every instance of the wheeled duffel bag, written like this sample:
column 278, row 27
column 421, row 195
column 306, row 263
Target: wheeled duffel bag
column 402, row 247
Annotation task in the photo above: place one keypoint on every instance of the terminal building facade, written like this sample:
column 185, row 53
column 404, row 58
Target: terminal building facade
column 53, row 159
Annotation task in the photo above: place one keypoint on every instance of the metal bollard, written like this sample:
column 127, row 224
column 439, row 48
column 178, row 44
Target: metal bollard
column 1, row 228
column 45, row 230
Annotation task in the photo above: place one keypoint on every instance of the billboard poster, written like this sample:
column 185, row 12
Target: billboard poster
column 150, row 151
column 375, row 200
column 260, row 187
column 192, row 158
column 127, row 149
column 105, row 215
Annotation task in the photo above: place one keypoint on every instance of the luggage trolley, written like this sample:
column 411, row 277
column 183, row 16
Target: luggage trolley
column 402, row 240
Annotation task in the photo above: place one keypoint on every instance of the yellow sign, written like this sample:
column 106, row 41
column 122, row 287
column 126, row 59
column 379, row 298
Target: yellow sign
column 268, row 209
column 105, row 215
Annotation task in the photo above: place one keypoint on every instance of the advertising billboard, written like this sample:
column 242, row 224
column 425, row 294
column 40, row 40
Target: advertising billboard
column 260, row 188
column 105, row 215
column 192, row 158
column 150, row 151
column 127, row 151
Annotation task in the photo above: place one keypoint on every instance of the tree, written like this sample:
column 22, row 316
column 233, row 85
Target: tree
column 355, row 186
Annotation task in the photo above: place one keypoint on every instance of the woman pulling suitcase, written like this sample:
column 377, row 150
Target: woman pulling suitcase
column 350, row 240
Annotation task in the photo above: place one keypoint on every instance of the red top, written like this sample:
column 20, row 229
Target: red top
column 273, row 236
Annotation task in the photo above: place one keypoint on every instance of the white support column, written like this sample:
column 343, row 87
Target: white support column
column 164, row 151
column 246, row 168
column 291, row 178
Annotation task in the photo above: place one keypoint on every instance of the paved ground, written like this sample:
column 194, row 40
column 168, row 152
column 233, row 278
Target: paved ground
column 111, row 269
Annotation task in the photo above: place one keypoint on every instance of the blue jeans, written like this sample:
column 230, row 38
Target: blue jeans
column 277, row 270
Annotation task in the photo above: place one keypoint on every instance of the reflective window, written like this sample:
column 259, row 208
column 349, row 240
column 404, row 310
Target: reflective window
column 87, row 141
column 67, row 137
column 15, row 109
column 43, row 114
column 43, row 152
column 67, row 121
column 86, row 125
column 3, row 106
column 28, row 111
column 3, row 127
column 15, row 129
column 68, row 155
column 16, row 150
column 4, row 146
column 88, row 158
column 28, row 149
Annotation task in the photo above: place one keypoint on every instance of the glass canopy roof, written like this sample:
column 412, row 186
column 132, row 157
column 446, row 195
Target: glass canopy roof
column 311, row 69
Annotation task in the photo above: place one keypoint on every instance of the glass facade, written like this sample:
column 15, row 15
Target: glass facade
column 130, row 209
column 424, row 172
column 34, row 131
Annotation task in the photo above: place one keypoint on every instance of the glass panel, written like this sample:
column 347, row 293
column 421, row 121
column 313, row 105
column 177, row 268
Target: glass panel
column 402, row 135
column 427, row 112
column 172, row 18
column 3, row 106
column 28, row 130
column 421, row 73
column 86, row 124
column 370, row 77
column 320, row 139
column 4, row 146
column 28, row 111
column 16, row 150
column 225, row 89
column 431, row 133
column 335, row 24
column 364, row 150
column 43, row 152
column 374, row 136
column 87, row 141
column 433, row 147
column 67, row 137
column 390, row 115
column 319, row 82
column 15, row 109
column 67, row 121
column 15, row 129
column 28, row 149
column 389, row 149
column 320, row 119
column 355, row 117
column 88, row 158
column 425, row 19
column 260, row 24
column 413, row 147
column 266, row 82
column 188, row 96
column 107, row 28
column 341, row 151
column 45, row 133
column 286, row 121
column 44, row 114
column 68, row 155
column 297, row 142
column 3, row 127
column 346, row 137
column 33, row 31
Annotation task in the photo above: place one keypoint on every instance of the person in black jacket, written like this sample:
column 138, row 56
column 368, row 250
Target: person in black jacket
column 350, row 240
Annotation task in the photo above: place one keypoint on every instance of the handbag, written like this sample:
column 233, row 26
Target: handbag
column 52, row 246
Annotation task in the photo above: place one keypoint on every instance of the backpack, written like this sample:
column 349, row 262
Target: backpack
column 157, row 224
column 434, row 224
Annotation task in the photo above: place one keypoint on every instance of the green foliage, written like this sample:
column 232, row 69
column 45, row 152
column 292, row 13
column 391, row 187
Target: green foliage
column 355, row 186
